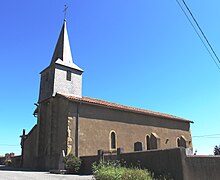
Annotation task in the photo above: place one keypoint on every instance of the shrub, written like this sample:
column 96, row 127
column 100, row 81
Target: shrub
column 113, row 171
column 217, row 150
column 72, row 163
column 8, row 162
column 110, row 170
column 136, row 174
column 163, row 176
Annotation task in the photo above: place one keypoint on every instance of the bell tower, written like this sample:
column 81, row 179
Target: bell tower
column 62, row 75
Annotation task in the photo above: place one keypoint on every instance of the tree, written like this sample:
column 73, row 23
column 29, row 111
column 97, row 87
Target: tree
column 217, row 150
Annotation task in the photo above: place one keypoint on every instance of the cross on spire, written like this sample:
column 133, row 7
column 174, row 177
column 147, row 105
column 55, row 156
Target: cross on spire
column 65, row 9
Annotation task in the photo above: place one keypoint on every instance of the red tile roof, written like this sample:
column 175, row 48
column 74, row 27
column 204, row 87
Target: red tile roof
column 107, row 104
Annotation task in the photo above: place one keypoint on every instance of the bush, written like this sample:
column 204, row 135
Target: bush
column 217, row 150
column 162, row 176
column 113, row 171
column 72, row 163
column 8, row 162
column 136, row 174
column 107, row 170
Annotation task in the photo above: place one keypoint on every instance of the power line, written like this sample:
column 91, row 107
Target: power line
column 9, row 145
column 207, row 136
column 199, row 34
column 201, row 30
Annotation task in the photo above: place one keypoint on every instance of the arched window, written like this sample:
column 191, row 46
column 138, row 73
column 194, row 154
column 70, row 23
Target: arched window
column 113, row 140
column 137, row 146
column 181, row 142
column 148, row 142
column 154, row 141
column 178, row 142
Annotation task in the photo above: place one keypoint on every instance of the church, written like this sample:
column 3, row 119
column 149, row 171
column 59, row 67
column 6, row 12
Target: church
column 67, row 121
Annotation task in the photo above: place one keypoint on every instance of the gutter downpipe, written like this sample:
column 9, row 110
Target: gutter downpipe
column 77, row 131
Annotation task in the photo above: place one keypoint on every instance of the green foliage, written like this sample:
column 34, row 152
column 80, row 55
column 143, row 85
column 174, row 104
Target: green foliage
column 72, row 163
column 8, row 162
column 112, row 170
column 136, row 174
column 217, row 150
column 164, row 176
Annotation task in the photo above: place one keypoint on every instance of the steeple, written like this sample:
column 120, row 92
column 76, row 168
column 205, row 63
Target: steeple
column 62, row 75
column 62, row 54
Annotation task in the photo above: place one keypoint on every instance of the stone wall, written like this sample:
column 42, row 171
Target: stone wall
column 202, row 167
column 96, row 123
column 16, row 161
column 53, row 124
column 86, row 166
column 2, row 159
column 61, row 84
column 29, row 149
column 169, row 161
column 159, row 161
column 82, row 129
column 46, row 83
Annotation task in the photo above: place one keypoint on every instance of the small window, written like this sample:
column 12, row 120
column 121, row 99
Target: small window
column 148, row 142
column 178, row 142
column 181, row 141
column 190, row 142
column 154, row 141
column 138, row 146
column 68, row 76
column 112, row 140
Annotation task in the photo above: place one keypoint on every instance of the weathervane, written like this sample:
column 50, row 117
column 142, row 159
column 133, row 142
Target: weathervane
column 65, row 9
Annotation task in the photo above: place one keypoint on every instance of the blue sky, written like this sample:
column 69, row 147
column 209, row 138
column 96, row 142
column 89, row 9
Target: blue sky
column 138, row 53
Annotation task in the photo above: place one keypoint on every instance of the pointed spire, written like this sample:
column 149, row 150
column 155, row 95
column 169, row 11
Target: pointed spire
column 62, row 54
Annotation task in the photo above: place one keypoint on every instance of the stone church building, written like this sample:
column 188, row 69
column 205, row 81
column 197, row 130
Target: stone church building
column 68, row 121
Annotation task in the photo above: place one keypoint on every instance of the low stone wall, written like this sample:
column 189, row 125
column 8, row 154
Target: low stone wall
column 16, row 161
column 87, row 161
column 202, row 167
column 158, row 161
column 168, row 161
column 2, row 159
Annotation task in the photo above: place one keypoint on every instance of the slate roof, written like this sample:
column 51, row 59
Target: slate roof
column 62, row 54
column 107, row 104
